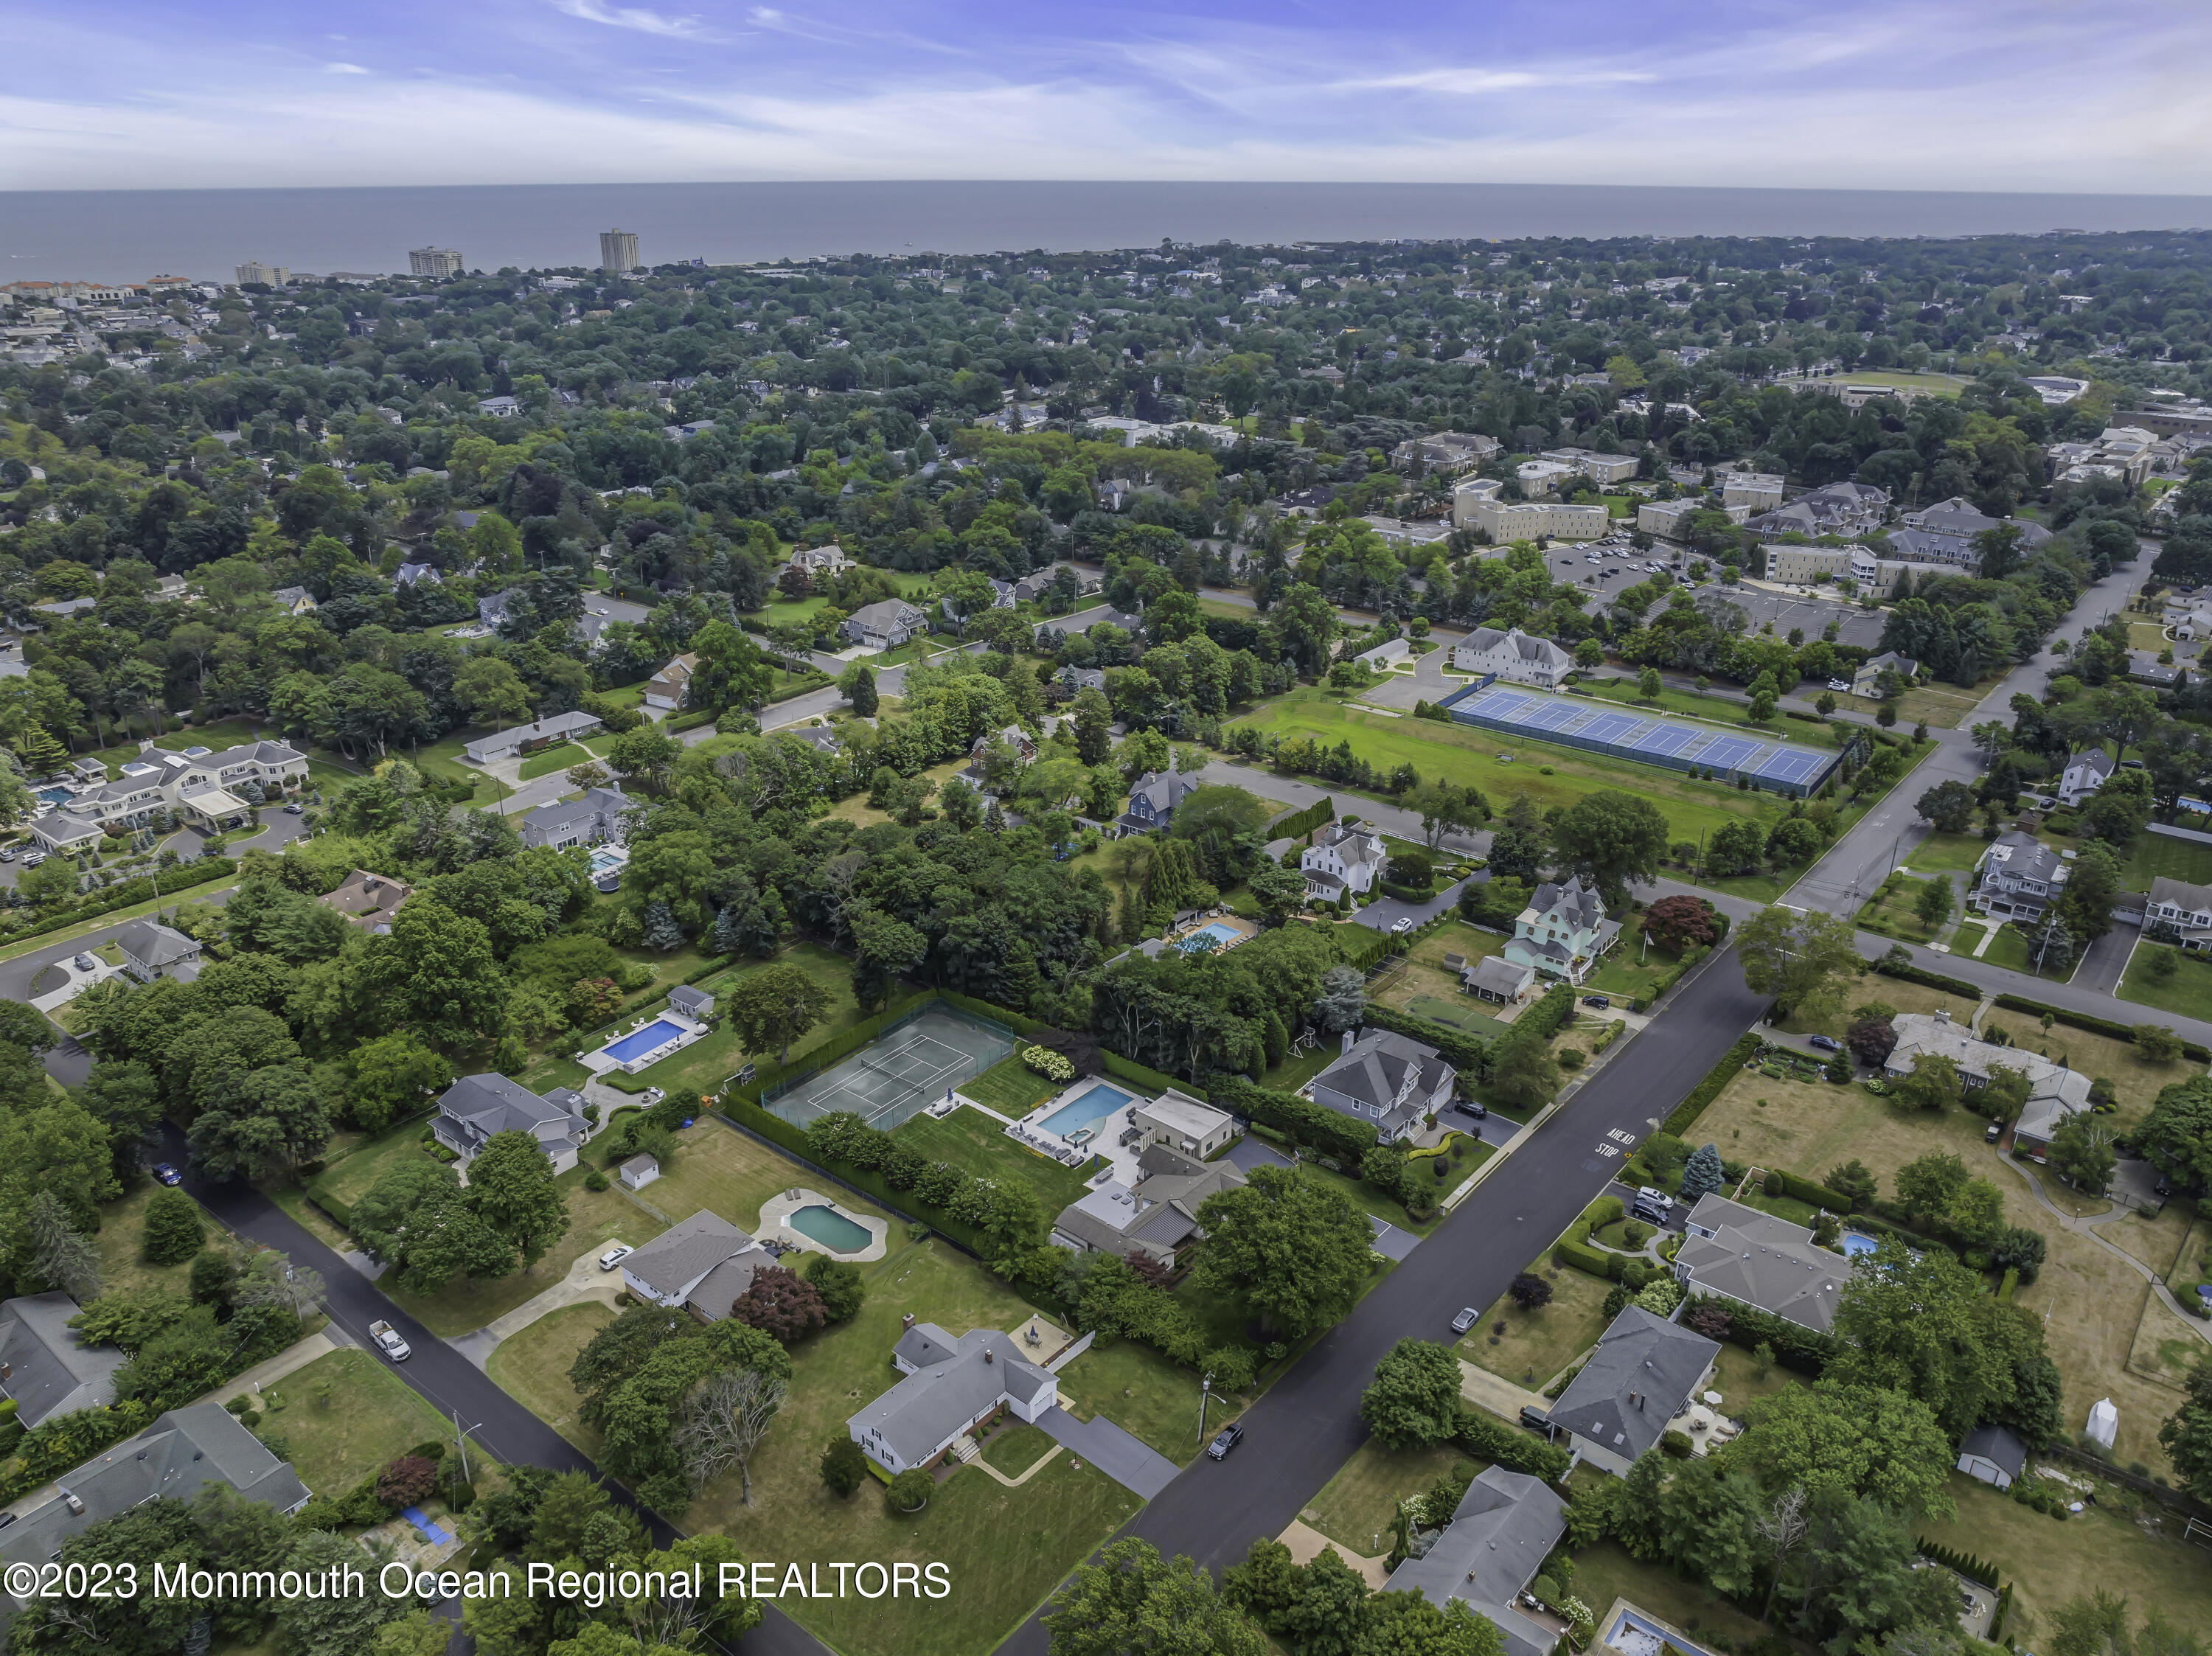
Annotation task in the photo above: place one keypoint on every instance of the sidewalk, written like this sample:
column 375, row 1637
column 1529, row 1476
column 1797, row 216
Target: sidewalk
column 585, row 1281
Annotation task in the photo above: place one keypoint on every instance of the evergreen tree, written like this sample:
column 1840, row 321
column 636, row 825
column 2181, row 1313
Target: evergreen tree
column 173, row 1231
column 60, row 1256
column 661, row 930
column 863, row 698
column 1702, row 1174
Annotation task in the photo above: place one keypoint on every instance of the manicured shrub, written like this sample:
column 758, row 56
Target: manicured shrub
column 173, row 1231
column 910, row 1490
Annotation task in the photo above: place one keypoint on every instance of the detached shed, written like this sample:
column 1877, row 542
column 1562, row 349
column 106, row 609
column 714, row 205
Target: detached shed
column 1994, row 1455
column 638, row 1172
column 695, row 1003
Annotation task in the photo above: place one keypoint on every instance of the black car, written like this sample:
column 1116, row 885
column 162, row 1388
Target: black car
column 1227, row 1439
column 1473, row 1107
column 1824, row 1043
column 1536, row 1420
column 1600, row 1001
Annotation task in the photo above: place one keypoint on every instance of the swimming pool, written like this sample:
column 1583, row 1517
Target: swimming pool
column 1219, row 933
column 659, row 1032
column 607, row 858
column 1857, row 1242
column 830, row 1228
column 1100, row 1104
column 57, row 796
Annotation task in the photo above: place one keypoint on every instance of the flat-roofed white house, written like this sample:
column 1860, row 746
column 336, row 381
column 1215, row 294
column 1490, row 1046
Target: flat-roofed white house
column 1760, row 491
column 1737, row 1253
column 476, row 1107
column 699, row 1265
column 1388, row 1082
column 949, row 1387
column 1183, row 1123
column 1347, row 856
column 1517, row 657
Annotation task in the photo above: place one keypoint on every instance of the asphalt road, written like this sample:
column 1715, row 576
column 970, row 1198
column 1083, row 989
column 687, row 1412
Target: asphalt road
column 503, row 1428
column 1308, row 1424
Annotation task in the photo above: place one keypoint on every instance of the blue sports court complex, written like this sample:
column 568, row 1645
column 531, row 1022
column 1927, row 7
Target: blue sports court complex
column 1661, row 739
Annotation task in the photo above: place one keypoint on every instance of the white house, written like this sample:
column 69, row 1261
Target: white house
column 1388, row 1082
column 2018, row 877
column 1867, row 681
column 1562, row 932
column 821, row 561
column 1606, row 468
column 2084, row 774
column 1761, row 491
column 2184, row 909
column 476, row 1107
column 1476, row 505
column 949, row 1387
column 505, row 744
column 2054, row 1093
column 1377, row 657
column 209, row 790
column 664, row 691
column 701, row 1266
column 1185, row 1123
column 1514, row 656
column 152, row 951
column 1347, row 855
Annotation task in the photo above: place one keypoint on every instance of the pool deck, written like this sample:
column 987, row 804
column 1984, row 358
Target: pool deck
column 776, row 1212
column 603, row 1061
column 1122, row 1162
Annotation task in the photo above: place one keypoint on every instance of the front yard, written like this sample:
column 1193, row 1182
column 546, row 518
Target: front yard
column 1528, row 1348
column 1358, row 1506
column 1144, row 1394
column 2187, row 993
column 370, row 1417
column 532, row 1366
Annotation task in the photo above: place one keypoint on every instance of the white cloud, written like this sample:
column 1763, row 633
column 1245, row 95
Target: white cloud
column 343, row 69
column 634, row 17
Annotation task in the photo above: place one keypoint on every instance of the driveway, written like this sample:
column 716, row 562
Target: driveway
column 1391, row 1242
column 2105, row 960
column 1384, row 913
column 1135, row 1465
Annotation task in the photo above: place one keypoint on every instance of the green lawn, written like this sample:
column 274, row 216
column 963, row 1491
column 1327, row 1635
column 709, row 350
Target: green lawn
column 343, row 1181
column 123, row 1267
column 1529, row 1347
column 1293, row 1073
column 705, row 1065
column 1957, row 852
column 372, row 1418
column 567, row 757
column 1010, row 1087
column 1606, row 1572
column 532, row 1366
column 1015, row 1446
column 2011, row 949
column 2187, row 993
column 2150, row 855
column 1893, row 910
column 1143, row 1393
column 970, row 1140
column 1620, row 973
column 1358, row 1506
column 1713, row 709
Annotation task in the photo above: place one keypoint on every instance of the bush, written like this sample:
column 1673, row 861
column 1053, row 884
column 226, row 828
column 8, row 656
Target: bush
column 1053, row 1066
column 910, row 1490
column 407, row 1482
column 173, row 1231
column 595, row 1180
column 1677, row 1444
column 1572, row 1059
column 844, row 1465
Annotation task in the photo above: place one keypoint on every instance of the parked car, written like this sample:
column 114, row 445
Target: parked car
column 1227, row 1439
column 33, row 858
column 1401, row 925
column 1536, row 1419
column 7, row 854
column 615, row 1255
column 1653, row 1205
column 1824, row 1043
column 1602, row 1001
column 167, row 1173
column 1465, row 1320
column 1473, row 1107
column 1842, row 685
column 389, row 1342
column 1996, row 1132
column 87, row 963
column 295, row 809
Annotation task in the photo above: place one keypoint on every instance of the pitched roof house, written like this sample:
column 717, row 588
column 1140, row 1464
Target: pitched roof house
column 589, row 820
column 2182, row 909
column 1740, row 1254
column 1346, row 856
column 505, row 744
column 1867, row 681
column 152, row 951
column 886, row 624
column 1155, row 1216
column 369, row 900
column 2054, row 1093
column 1994, row 1455
column 950, row 1385
column 2018, row 876
column 476, row 1106
column 1497, row 980
column 702, row 1265
column 1563, row 931
column 1154, row 796
column 1388, row 1082
column 2084, row 774
column 1514, row 656
column 45, row 1365
column 1643, row 1373
column 664, row 691
column 1500, row 1533
column 294, row 600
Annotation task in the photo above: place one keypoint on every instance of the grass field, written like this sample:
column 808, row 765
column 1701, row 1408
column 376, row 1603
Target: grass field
column 1943, row 706
column 2150, row 855
column 1893, row 910
column 1937, row 384
column 344, row 1181
column 1015, row 1446
column 1010, row 1087
column 2187, row 993
column 1529, row 1347
column 704, row 1066
column 123, row 1267
column 567, row 757
column 1427, row 987
column 1871, row 987
column 970, row 1140
column 372, row 1416
column 1606, row 1572
column 532, row 1367
column 1143, row 1393
column 1623, row 976
column 1955, row 853
column 1358, row 1506
column 720, row 1169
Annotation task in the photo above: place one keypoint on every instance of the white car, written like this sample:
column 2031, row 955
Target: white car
column 1842, row 685
column 615, row 1255
column 1401, row 925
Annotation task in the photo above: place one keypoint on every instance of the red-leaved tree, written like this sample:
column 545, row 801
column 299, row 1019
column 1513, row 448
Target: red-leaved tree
column 782, row 1304
column 1676, row 923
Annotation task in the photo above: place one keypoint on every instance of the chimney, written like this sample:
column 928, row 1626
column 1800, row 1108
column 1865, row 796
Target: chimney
column 988, row 1355
column 906, row 1323
column 1943, row 1015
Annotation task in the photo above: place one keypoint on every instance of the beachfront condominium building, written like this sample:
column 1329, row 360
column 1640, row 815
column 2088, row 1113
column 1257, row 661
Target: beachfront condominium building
column 617, row 251
column 269, row 275
column 435, row 263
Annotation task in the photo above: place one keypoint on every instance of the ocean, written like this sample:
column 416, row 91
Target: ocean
column 128, row 235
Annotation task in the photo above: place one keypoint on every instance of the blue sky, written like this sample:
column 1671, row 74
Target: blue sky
column 1997, row 95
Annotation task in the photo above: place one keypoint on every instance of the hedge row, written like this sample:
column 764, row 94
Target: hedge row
column 1804, row 1190
column 1686, row 1113
column 1550, row 1014
column 1463, row 1052
column 1961, row 1563
column 767, row 1073
column 1794, row 1346
column 137, row 889
column 1488, row 1438
column 1300, row 1120
column 1300, row 824
column 1912, row 974
column 2094, row 1024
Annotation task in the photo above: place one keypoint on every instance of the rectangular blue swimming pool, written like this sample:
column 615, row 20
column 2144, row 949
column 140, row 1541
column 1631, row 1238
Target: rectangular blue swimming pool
column 659, row 1032
column 1099, row 1105
column 1221, row 933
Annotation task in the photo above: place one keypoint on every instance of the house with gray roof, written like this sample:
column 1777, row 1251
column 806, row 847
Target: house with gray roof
column 886, row 624
column 1563, row 931
column 1077, row 679
column 694, row 1003
column 1497, row 980
column 1642, row 1374
column 1737, row 1253
column 294, row 600
column 46, row 1366
column 178, row 1456
column 1867, row 680
column 409, row 574
column 1994, row 1455
column 2181, row 910
column 367, row 899
column 1514, row 656
column 1155, row 1216
column 1387, row 1081
column 507, row 744
column 1153, row 797
column 1051, row 634
column 1500, row 1533
column 2018, row 877
column 1343, row 856
column 591, row 820
column 950, row 1386
column 2054, row 1092
column 476, row 1106
column 2085, row 773
column 152, row 951
column 701, row 1266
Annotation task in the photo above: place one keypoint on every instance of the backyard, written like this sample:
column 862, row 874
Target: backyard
column 973, row 1143
column 1010, row 1087
column 370, row 1417
column 123, row 1265
column 1529, row 1347
column 720, row 1169
column 1893, row 910
column 1425, row 987
column 706, row 1066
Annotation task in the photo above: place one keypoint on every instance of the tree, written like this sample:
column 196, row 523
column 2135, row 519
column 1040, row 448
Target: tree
column 2187, row 1435
column 1611, row 838
column 839, row 1285
column 1909, row 1323
column 414, row 1219
column 1871, row 1041
column 780, row 1303
column 1648, row 687
column 1524, row 1070
column 1927, row 1187
column 1132, row 1602
column 392, row 1077
column 644, row 756
column 1804, row 961
column 332, row 1624
column 844, row 1465
column 1413, row 1400
column 1280, row 892
column 722, row 1422
column 1932, row 1083
column 512, row 1189
column 773, row 1007
column 910, row 1491
column 1864, row 1440
column 1292, row 1251
column 173, row 1232
column 2051, row 943
column 436, row 970
column 262, row 1125
column 1342, row 1003
column 1676, row 923
column 1702, row 1174
column 2157, row 1043
column 1933, row 906
column 1949, row 805
column 2082, row 1152
column 1854, row 1183
column 1529, row 1291
column 2176, row 1137
column 61, row 1257
column 861, row 692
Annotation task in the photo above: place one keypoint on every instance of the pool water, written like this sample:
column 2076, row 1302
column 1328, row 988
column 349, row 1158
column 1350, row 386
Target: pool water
column 659, row 1032
column 1857, row 1242
column 602, row 859
column 1220, row 932
column 56, row 796
column 830, row 1228
column 1098, row 1105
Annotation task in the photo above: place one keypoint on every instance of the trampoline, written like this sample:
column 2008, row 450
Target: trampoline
column 896, row 1077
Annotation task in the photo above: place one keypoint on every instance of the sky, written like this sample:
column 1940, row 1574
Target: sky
column 1989, row 94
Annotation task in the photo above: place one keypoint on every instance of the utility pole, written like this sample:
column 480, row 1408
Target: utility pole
column 461, row 1438
column 1204, row 1394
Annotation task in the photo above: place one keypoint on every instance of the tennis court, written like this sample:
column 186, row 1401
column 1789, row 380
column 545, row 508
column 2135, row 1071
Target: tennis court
column 897, row 1077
